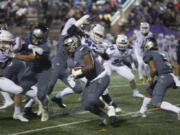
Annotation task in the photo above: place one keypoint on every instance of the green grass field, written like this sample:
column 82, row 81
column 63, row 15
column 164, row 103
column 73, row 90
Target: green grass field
column 75, row 121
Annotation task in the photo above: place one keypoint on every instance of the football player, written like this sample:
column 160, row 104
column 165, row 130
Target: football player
column 160, row 42
column 173, row 54
column 160, row 67
column 119, row 61
column 139, row 37
column 7, row 99
column 7, row 85
column 83, row 64
column 39, row 65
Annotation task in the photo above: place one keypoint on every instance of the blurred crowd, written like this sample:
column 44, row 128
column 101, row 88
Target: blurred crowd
column 22, row 12
column 154, row 11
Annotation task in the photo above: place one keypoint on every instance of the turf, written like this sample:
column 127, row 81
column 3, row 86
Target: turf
column 75, row 121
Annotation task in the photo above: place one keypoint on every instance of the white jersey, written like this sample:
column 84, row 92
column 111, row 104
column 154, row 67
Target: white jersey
column 117, row 56
column 172, row 51
column 139, row 41
column 94, row 46
column 161, row 44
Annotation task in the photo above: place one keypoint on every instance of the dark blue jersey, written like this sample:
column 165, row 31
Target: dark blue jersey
column 77, row 61
column 160, row 60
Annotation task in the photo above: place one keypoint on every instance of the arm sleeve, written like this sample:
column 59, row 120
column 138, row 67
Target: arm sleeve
column 67, row 26
column 147, row 57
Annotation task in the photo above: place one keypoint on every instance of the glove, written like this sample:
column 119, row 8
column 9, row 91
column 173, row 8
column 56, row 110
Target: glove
column 76, row 72
column 71, row 81
column 82, row 20
column 35, row 49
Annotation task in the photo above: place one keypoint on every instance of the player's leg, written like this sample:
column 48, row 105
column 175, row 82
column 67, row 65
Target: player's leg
column 126, row 73
column 108, row 100
column 10, row 87
column 163, row 83
column 42, row 85
column 69, row 90
column 91, row 101
column 106, row 97
column 7, row 100
column 147, row 100
column 28, row 106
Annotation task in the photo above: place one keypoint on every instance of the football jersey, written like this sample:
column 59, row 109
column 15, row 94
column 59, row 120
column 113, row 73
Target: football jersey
column 140, row 38
column 161, row 63
column 117, row 56
column 77, row 61
column 44, row 61
column 161, row 44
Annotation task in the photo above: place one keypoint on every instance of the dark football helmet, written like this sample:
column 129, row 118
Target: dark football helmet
column 39, row 34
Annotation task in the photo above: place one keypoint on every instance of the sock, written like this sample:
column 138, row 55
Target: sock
column 168, row 106
column 135, row 91
column 64, row 92
column 29, row 103
column 146, row 101
column 17, row 109
column 105, row 92
column 108, row 100
column 6, row 96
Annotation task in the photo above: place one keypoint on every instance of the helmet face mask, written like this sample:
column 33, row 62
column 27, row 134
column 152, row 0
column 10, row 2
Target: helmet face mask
column 97, row 33
column 71, row 44
column 144, row 28
column 122, row 42
column 149, row 43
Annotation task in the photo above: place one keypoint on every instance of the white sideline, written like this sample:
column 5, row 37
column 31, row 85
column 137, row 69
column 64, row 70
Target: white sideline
column 74, row 123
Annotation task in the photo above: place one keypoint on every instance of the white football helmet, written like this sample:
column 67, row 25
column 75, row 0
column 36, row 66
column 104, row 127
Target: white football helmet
column 172, row 37
column 144, row 27
column 167, row 37
column 160, row 35
column 6, row 40
column 97, row 33
column 122, row 42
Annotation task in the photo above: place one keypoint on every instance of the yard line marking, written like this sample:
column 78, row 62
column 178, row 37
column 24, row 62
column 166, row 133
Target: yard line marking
column 78, row 122
column 51, row 127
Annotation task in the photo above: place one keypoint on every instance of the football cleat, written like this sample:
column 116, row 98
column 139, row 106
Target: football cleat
column 111, row 113
column 141, row 81
column 28, row 112
column 117, row 109
column 147, row 80
column 137, row 94
column 45, row 115
column 58, row 101
column 20, row 117
column 7, row 104
column 138, row 114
